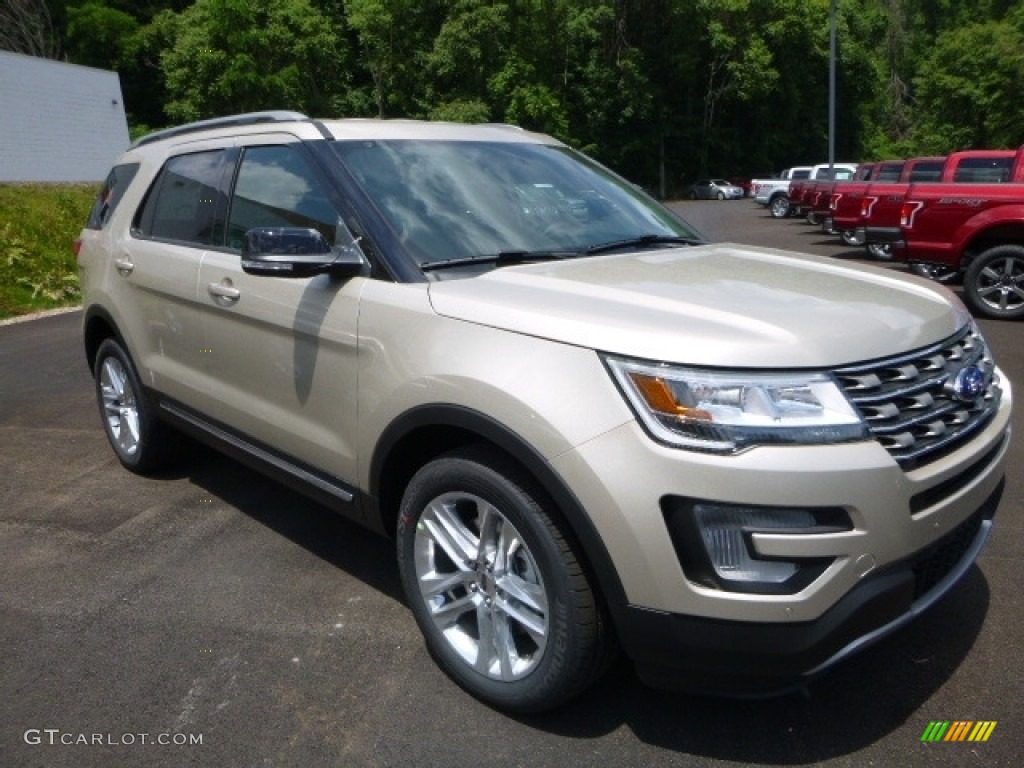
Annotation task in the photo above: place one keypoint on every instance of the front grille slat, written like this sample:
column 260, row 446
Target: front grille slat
column 908, row 401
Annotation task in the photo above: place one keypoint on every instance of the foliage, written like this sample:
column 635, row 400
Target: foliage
column 246, row 55
column 38, row 223
column 661, row 90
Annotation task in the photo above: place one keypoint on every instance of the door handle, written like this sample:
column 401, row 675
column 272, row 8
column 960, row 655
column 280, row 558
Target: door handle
column 224, row 293
column 124, row 266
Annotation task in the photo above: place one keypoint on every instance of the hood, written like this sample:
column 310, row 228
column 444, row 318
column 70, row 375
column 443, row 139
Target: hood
column 714, row 305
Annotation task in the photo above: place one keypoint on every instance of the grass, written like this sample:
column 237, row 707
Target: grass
column 38, row 223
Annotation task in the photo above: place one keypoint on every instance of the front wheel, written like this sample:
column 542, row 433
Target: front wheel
column 994, row 283
column 780, row 207
column 494, row 583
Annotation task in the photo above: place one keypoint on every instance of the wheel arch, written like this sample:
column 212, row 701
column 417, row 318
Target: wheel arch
column 1002, row 233
column 428, row 431
column 97, row 325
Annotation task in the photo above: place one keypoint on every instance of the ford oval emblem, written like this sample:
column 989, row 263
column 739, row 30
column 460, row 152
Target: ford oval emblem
column 969, row 384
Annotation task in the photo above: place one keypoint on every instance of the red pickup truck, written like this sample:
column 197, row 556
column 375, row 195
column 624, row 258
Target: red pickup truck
column 882, row 203
column 975, row 230
column 843, row 216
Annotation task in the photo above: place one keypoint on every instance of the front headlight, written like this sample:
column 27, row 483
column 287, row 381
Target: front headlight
column 725, row 412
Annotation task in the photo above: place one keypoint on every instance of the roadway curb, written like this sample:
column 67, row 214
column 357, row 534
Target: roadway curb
column 39, row 315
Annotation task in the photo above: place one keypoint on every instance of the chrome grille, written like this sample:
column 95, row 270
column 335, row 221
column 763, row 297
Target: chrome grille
column 915, row 405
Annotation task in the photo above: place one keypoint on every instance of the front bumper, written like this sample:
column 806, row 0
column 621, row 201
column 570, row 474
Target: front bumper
column 747, row 658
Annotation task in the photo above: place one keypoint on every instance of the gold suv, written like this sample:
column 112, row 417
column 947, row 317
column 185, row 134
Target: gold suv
column 586, row 428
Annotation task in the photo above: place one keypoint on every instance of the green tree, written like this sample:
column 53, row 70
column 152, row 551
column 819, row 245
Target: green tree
column 969, row 87
column 231, row 56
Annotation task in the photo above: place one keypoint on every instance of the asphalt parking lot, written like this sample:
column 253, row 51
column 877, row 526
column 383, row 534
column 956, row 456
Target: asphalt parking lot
column 210, row 617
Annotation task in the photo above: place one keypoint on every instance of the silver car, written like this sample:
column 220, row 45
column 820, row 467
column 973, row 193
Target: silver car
column 715, row 189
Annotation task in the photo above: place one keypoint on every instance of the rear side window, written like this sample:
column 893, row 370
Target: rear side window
column 184, row 203
column 110, row 195
column 983, row 169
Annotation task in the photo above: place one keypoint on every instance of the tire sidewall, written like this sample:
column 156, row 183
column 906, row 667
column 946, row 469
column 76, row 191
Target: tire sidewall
column 545, row 685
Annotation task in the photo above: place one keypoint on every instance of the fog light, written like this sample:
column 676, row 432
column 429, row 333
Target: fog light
column 715, row 543
column 726, row 535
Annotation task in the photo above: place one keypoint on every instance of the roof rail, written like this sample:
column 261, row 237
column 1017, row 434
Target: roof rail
column 248, row 118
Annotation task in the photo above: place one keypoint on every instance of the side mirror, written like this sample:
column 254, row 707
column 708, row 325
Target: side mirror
column 298, row 252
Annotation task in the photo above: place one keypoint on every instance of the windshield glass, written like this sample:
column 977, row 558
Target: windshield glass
column 452, row 200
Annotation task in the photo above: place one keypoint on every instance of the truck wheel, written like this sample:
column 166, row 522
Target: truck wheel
column 850, row 238
column 880, row 251
column 505, row 607
column 936, row 272
column 994, row 283
column 779, row 207
column 141, row 442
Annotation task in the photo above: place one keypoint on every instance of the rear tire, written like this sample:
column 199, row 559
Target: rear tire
column 994, row 283
column 779, row 207
column 880, row 251
column 141, row 442
column 495, row 585
column 935, row 272
column 850, row 238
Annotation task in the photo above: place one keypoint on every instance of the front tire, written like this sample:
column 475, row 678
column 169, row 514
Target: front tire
column 141, row 442
column 994, row 283
column 495, row 585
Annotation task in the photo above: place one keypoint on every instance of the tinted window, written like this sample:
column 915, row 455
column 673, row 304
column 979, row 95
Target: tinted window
column 183, row 202
column 983, row 169
column 276, row 188
column 110, row 194
column 931, row 171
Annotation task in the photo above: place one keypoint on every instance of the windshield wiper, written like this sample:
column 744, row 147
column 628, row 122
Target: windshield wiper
column 499, row 259
column 637, row 242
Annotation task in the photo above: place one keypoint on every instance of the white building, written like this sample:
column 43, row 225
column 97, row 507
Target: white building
column 58, row 121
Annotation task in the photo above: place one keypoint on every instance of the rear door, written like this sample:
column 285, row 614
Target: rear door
column 157, row 263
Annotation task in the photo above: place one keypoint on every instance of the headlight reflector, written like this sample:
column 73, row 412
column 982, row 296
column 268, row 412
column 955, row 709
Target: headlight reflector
column 725, row 412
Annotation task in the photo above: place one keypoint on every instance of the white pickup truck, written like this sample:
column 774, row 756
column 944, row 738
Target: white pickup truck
column 775, row 193
column 766, row 191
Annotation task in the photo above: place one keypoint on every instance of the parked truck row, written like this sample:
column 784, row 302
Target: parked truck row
column 953, row 218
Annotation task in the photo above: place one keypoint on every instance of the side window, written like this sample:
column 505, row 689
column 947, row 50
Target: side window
column 183, row 201
column 276, row 188
column 110, row 195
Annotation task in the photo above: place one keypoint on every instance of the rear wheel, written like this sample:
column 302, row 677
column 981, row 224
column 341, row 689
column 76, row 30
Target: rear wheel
column 936, row 272
column 994, row 283
column 140, row 441
column 850, row 238
column 779, row 207
column 495, row 585
column 880, row 251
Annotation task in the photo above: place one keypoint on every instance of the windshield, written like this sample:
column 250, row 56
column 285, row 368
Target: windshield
column 452, row 200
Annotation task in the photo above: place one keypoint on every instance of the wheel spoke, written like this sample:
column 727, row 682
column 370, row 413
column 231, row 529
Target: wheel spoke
column 449, row 531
